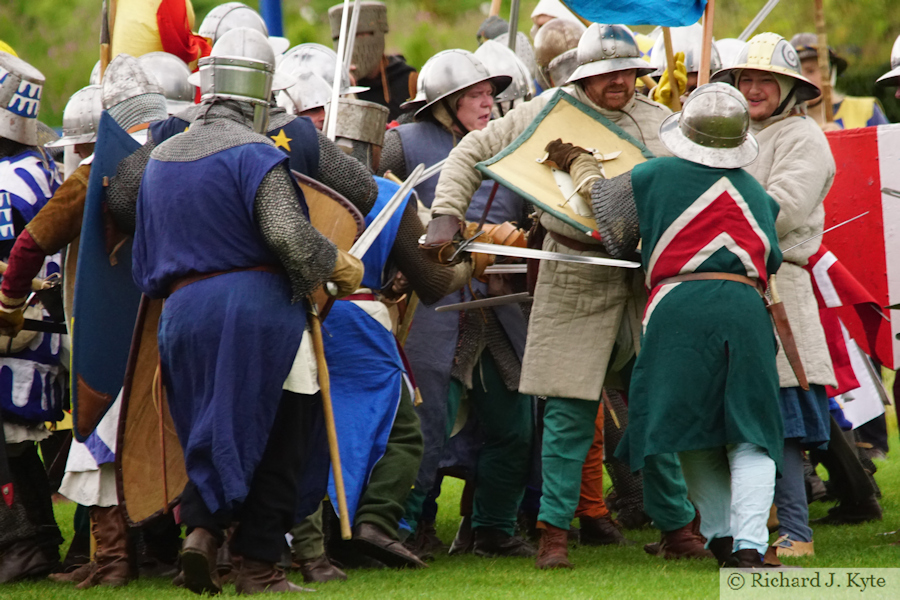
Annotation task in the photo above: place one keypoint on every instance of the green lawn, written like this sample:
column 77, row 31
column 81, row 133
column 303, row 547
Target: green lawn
column 622, row 573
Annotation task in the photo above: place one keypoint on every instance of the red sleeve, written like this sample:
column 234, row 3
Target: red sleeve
column 25, row 262
column 176, row 35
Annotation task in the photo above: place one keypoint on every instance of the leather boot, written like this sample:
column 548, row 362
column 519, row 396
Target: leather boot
column 603, row 531
column 745, row 559
column 257, row 577
column 464, row 542
column 319, row 570
column 113, row 557
column 684, row 542
column 553, row 551
column 722, row 549
column 76, row 576
column 371, row 541
column 24, row 560
column 490, row 542
column 198, row 562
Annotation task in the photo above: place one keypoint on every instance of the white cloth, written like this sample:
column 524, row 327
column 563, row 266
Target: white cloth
column 304, row 375
column 733, row 488
column 16, row 434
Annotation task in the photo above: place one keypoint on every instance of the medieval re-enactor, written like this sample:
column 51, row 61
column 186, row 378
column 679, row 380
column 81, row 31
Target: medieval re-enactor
column 577, row 309
column 476, row 353
column 231, row 248
column 796, row 168
column 390, row 80
column 892, row 77
column 31, row 388
column 707, row 248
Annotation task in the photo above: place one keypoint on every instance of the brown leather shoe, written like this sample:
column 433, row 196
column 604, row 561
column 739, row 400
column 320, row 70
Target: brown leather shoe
column 370, row 540
column 601, row 532
column 684, row 542
column 319, row 570
column 76, row 576
column 257, row 577
column 553, row 551
column 25, row 560
column 198, row 562
column 113, row 558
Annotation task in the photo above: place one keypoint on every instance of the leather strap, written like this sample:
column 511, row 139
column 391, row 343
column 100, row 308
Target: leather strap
column 360, row 297
column 575, row 244
column 138, row 127
column 756, row 283
column 180, row 283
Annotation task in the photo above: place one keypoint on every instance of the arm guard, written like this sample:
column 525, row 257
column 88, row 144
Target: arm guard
column 346, row 175
column 616, row 214
column 122, row 193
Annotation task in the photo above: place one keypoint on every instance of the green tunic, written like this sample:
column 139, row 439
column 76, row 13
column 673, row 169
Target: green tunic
column 706, row 374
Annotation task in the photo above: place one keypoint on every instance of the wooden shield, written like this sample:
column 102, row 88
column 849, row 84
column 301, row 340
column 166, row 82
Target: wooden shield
column 149, row 452
column 566, row 118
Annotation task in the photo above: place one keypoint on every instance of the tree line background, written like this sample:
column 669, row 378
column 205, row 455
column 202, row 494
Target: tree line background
column 61, row 38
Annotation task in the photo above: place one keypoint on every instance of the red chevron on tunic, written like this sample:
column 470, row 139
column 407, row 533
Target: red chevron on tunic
column 719, row 218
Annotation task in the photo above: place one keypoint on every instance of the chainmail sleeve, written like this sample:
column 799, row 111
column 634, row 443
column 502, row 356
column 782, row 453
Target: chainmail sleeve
column 122, row 193
column 346, row 175
column 306, row 255
column 616, row 214
column 430, row 280
column 392, row 158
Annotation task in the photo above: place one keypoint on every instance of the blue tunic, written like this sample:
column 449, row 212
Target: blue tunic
column 226, row 342
column 365, row 368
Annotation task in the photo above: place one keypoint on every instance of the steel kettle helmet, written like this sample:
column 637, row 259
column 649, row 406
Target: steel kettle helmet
column 21, row 86
column 712, row 129
column 81, row 117
column 892, row 77
column 607, row 49
column 688, row 40
column 451, row 71
column 172, row 74
column 500, row 61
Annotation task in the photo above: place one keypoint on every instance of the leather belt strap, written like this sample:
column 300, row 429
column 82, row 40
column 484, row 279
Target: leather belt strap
column 756, row 283
column 360, row 297
column 138, row 127
column 180, row 283
column 575, row 244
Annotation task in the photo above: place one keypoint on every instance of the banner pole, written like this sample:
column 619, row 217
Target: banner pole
column 706, row 50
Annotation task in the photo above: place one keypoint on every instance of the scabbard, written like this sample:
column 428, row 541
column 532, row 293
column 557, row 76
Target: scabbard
column 783, row 327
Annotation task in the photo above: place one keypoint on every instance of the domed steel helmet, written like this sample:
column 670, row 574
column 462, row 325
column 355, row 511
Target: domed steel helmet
column 892, row 77
column 451, row 71
column 241, row 67
column 562, row 67
column 730, row 50
column 81, row 117
column 418, row 101
column 21, row 86
column 233, row 15
column 318, row 59
column 712, row 129
column 95, row 74
column 126, row 78
column 554, row 38
column 807, row 46
column 607, row 49
column 523, row 50
column 688, row 40
column 172, row 74
column 500, row 60
column 310, row 91
column 771, row 53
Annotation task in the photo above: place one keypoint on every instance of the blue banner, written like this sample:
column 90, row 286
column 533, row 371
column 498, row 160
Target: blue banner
column 668, row 13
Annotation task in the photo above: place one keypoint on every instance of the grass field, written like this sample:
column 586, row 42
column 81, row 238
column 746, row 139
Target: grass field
column 622, row 573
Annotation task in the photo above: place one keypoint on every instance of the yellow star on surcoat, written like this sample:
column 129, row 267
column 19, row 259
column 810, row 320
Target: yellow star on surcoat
column 281, row 140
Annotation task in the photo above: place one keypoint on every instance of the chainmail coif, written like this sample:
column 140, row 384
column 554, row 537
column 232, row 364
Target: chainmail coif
column 144, row 108
column 616, row 215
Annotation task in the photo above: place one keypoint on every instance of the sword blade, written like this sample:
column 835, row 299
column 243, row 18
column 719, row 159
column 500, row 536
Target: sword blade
column 505, row 269
column 751, row 27
column 824, row 232
column 486, row 302
column 365, row 241
column 544, row 255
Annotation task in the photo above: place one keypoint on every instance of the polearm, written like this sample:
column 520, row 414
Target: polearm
column 709, row 15
column 104, row 38
column 351, row 33
column 824, row 67
column 513, row 24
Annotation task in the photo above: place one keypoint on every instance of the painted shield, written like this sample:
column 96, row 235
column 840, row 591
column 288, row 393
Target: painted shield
column 867, row 179
column 519, row 166
column 105, row 298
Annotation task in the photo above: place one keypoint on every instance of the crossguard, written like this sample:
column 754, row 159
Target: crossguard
column 465, row 244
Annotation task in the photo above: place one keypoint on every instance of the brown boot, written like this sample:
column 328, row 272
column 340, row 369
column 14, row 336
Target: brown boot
column 76, row 576
column 602, row 531
column 257, row 577
column 198, row 562
column 319, row 570
column 553, row 551
column 113, row 557
column 684, row 542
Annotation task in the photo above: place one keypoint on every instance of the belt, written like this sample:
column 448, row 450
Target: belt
column 180, row 283
column 756, row 283
column 575, row 244
column 360, row 297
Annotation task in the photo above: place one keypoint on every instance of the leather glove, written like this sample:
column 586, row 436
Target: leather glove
column 480, row 262
column 442, row 232
column 12, row 320
column 562, row 153
column 663, row 92
column 585, row 171
column 347, row 275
